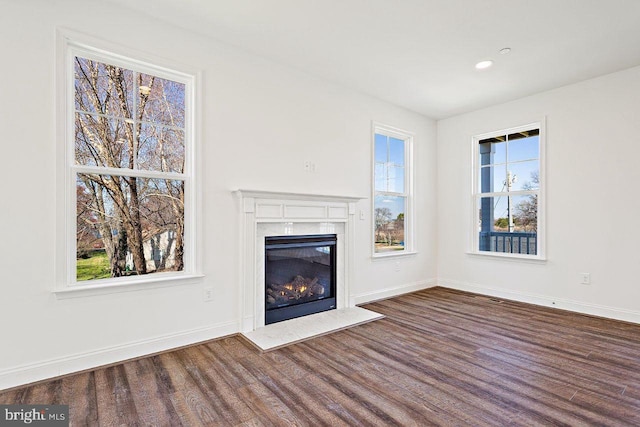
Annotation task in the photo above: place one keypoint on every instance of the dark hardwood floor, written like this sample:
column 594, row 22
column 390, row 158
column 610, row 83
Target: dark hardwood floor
column 440, row 357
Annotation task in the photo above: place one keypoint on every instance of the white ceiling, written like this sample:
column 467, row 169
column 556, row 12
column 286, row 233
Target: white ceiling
column 420, row 54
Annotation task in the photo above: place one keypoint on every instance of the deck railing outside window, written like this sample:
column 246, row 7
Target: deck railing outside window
column 512, row 243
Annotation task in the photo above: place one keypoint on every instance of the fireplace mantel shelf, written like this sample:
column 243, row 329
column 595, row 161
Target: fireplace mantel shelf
column 260, row 194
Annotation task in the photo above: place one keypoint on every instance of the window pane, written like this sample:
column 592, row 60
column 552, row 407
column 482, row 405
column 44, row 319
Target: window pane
column 381, row 154
column 493, row 179
column 161, row 149
column 389, row 164
column 381, row 178
column 128, row 226
column 500, row 152
column 396, row 179
column 102, row 88
column 525, row 175
column 161, row 100
column 389, row 214
column 525, row 213
column 396, row 151
column 508, row 224
column 492, row 151
column 102, row 142
column 524, row 149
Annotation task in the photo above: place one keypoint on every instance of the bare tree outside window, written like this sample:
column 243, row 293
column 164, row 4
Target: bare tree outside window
column 129, row 162
column 527, row 210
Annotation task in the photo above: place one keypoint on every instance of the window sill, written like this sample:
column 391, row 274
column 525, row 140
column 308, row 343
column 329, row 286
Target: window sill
column 136, row 284
column 398, row 254
column 534, row 259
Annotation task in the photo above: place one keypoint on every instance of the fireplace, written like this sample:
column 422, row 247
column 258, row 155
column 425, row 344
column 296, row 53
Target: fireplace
column 300, row 275
column 268, row 214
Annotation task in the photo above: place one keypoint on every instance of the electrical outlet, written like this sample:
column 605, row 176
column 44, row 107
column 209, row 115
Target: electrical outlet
column 208, row 294
column 397, row 266
column 585, row 278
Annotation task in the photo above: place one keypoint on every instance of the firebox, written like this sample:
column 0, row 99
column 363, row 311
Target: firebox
column 300, row 276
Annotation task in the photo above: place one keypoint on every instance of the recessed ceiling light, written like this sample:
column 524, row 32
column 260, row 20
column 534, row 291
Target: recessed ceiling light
column 484, row 64
column 505, row 50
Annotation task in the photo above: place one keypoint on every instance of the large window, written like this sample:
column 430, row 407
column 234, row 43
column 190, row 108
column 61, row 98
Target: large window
column 392, row 191
column 129, row 169
column 507, row 192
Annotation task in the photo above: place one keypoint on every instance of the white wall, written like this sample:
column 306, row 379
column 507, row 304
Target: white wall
column 593, row 176
column 260, row 123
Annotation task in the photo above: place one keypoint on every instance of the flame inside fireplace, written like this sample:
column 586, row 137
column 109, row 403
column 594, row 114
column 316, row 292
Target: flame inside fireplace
column 300, row 288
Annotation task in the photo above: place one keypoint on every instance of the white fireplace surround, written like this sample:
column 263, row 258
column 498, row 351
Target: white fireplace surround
column 266, row 213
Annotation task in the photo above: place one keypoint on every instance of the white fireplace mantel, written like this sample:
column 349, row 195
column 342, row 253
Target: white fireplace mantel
column 268, row 213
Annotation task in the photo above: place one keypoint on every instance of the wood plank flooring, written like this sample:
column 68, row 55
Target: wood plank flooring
column 440, row 357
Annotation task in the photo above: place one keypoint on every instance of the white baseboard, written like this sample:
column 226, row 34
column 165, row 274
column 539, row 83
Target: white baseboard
column 546, row 301
column 26, row 374
column 392, row 292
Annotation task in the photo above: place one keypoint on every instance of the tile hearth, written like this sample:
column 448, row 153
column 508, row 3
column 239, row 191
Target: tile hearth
column 291, row 331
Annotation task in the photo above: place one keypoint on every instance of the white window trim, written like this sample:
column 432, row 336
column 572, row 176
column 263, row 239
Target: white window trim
column 541, row 230
column 409, row 220
column 70, row 44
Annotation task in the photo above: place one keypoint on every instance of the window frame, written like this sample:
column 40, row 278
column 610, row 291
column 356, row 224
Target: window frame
column 409, row 141
column 69, row 46
column 476, row 194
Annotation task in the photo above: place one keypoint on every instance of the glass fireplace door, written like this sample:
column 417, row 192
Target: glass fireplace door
column 300, row 276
